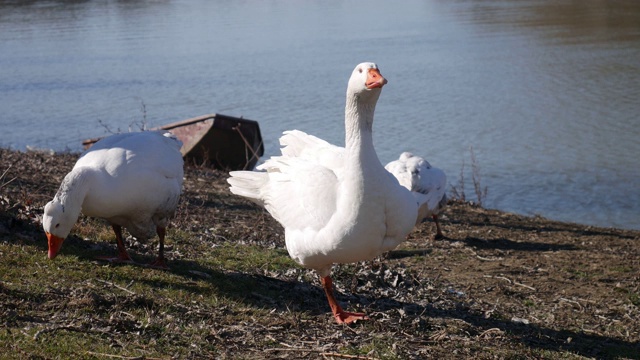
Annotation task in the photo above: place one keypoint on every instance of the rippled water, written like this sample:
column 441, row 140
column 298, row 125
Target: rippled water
column 546, row 92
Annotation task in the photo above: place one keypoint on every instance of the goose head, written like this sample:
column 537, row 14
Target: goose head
column 366, row 81
column 57, row 224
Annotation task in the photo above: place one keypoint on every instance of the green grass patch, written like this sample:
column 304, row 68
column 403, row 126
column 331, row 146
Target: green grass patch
column 75, row 306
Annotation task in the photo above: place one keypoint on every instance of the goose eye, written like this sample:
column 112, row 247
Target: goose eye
column 57, row 226
column 360, row 70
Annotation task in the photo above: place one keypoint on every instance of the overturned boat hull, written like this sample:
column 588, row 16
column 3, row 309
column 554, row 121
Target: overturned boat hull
column 221, row 141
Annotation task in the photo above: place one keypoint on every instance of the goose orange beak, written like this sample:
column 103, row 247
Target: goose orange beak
column 55, row 243
column 374, row 79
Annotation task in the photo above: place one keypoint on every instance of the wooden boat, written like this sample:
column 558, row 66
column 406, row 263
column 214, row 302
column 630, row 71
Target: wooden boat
column 224, row 142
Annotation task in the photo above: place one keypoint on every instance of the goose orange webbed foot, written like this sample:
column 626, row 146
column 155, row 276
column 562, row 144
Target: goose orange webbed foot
column 341, row 316
column 345, row 317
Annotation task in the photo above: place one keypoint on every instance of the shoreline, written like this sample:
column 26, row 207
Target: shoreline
column 51, row 152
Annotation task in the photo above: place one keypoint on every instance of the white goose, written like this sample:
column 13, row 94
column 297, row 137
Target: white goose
column 337, row 205
column 428, row 184
column 132, row 180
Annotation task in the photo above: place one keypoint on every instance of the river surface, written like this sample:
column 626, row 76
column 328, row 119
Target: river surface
column 545, row 94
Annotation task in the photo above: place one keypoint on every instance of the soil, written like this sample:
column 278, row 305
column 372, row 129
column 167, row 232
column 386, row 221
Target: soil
column 499, row 285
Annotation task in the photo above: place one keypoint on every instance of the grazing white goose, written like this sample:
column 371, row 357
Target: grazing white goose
column 427, row 183
column 132, row 180
column 337, row 205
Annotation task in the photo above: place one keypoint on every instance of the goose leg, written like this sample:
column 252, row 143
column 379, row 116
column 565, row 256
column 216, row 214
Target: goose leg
column 159, row 262
column 123, row 256
column 341, row 316
column 438, row 235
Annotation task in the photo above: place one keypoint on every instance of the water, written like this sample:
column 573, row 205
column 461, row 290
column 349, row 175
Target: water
column 547, row 93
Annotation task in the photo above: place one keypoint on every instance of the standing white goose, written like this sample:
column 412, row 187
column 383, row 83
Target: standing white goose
column 428, row 184
column 132, row 180
column 337, row 205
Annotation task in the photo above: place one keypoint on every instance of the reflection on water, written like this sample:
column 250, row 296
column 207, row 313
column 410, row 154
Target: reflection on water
column 568, row 22
column 546, row 92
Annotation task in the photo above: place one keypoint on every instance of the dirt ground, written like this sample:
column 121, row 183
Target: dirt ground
column 499, row 285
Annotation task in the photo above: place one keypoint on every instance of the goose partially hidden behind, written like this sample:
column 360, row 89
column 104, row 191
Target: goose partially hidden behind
column 427, row 183
column 337, row 205
column 132, row 180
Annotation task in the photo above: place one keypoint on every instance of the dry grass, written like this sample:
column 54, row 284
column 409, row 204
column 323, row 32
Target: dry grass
column 499, row 286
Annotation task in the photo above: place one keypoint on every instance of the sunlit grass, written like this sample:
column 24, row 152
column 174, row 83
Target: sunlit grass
column 83, row 301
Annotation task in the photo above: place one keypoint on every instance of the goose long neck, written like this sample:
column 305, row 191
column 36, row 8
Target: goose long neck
column 74, row 189
column 359, row 126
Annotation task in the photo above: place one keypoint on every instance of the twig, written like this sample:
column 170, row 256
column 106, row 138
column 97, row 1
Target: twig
column 216, row 236
column 247, row 145
column 118, row 286
column 511, row 281
column 293, row 349
column 4, row 174
column 572, row 302
column 106, row 127
column 488, row 259
column 458, row 191
column 121, row 357
column 498, row 330
column 525, row 286
column 115, row 356
column 586, row 300
column 324, row 354
column 7, row 183
column 481, row 193
column 345, row 356
column 279, row 342
column 498, row 277
column 484, row 258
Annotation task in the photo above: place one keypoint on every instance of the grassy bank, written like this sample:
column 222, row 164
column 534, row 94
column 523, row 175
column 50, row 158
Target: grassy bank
column 499, row 286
